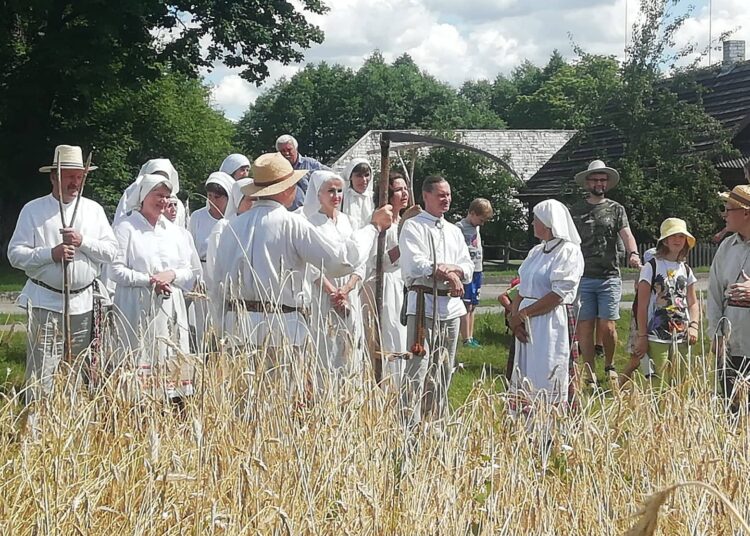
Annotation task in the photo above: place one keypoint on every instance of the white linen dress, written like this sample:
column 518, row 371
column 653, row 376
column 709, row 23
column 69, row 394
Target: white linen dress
column 147, row 320
column 542, row 363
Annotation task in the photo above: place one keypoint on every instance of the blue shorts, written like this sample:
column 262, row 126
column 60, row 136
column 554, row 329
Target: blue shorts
column 599, row 298
column 471, row 291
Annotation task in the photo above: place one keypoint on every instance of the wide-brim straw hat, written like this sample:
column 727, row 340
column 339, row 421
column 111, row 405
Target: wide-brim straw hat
column 272, row 174
column 597, row 166
column 673, row 226
column 69, row 156
column 739, row 196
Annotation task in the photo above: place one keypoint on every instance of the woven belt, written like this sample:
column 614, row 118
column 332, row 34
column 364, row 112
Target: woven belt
column 262, row 307
column 428, row 290
column 53, row 289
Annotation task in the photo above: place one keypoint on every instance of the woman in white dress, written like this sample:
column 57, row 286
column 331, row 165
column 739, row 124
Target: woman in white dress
column 152, row 269
column 237, row 204
column 540, row 318
column 336, row 309
column 202, row 221
column 358, row 203
column 388, row 365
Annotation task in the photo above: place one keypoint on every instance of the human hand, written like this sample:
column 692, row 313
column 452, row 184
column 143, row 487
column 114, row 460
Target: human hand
column 71, row 237
column 634, row 261
column 394, row 254
column 456, row 286
column 63, row 252
column 521, row 334
column 162, row 282
column 692, row 335
column 382, row 218
column 740, row 291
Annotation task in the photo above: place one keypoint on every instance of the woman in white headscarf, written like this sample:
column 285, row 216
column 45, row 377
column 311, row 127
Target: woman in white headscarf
column 155, row 166
column 358, row 203
column 202, row 221
column 152, row 269
column 236, row 165
column 337, row 313
column 541, row 318
column 237, row 204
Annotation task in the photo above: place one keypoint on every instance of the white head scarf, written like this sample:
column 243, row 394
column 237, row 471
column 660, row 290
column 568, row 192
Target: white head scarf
column 145, row 183
column 235, row 197
column 223, row 180
column 166, row 167
column 348, row 177
column 556, row 216
column 312, row 201
column 233, row 162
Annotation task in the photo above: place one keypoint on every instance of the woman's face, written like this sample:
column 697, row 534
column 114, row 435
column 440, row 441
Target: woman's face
column 217, row 203
column 400, row 195
column 170, row 210
column 156, row 201
column 360, row 181
column 330, row 194
column 541, row 231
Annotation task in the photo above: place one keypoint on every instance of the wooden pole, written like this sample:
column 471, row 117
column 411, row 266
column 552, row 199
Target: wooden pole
column 83, row 183
column 67, row 344
column 385, row 169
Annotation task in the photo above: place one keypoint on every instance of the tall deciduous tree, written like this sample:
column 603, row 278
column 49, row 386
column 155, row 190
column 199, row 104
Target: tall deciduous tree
column 60, row 57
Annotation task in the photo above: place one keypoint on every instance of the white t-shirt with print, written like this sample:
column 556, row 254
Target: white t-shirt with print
column 668, row 307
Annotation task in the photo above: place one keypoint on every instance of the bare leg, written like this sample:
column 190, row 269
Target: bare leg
column 585, row 332
column 609, row 339
column 467, row 323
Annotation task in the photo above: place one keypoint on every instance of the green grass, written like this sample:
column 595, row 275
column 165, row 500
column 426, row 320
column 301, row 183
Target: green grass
column 11, row 280
column 12, row 360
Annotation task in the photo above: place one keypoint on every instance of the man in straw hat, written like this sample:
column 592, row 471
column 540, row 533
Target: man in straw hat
column 599, row 222
column 261, row 281
column 729, row 293
column 39, row 245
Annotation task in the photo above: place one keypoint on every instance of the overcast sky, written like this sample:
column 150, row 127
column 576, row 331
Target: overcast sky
column 457, row 41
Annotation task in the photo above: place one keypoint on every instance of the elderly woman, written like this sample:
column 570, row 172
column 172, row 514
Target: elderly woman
column 152, row 268
column 540, row 318
column 337, row 315
column 388, row 365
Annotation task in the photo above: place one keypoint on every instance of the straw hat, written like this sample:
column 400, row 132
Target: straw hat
column 673, row 226
column 739, row 196
column 597, row 166
column 272, row 174
column 69, row 156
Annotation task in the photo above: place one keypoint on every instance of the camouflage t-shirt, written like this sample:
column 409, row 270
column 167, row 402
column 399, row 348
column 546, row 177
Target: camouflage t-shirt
column 599, row 226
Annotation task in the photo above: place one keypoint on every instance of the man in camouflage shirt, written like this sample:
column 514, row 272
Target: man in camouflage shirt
column 599, row 221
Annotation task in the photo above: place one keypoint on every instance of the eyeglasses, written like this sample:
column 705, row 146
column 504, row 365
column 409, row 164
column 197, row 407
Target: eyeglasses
column 724, row 210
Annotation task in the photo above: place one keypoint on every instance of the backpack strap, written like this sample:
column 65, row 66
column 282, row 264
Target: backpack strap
column 652, row 262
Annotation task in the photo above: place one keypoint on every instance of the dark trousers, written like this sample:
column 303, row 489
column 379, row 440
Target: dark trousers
column 735, row 367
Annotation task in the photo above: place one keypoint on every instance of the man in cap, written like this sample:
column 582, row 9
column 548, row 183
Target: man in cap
column 39, row 245
column 263, row 254
column 600, row 221
column 287, row 145
column 728, row 303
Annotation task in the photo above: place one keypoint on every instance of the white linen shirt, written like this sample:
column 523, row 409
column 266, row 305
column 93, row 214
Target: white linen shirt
column 263, row 253
column 30, row 249
column 732, row 257
column 200, row 227
column 358, row 207
column 417, row 262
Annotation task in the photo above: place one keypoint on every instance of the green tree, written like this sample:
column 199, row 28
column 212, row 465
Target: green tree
column 60, row 58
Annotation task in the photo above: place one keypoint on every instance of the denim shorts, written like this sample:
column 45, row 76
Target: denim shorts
column 471, row 291
column 599, row 298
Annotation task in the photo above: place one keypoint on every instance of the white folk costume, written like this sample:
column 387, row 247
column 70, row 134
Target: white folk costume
column 357, row 206
column 201, row 224
column 261, row 281
column 233, row 162
column 542, row 365
column 154, row 328
column 30, row 249
column 233, row 205
column 338, row 338
column 425, row 241
column 393, row 341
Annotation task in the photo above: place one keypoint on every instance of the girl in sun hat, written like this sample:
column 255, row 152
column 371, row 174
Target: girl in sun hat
column 668, row 315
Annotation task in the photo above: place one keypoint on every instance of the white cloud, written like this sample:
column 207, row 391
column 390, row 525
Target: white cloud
column 457, row 41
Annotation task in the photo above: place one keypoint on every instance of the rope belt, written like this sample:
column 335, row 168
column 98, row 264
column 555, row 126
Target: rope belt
column 253, row 306
column 53, row 289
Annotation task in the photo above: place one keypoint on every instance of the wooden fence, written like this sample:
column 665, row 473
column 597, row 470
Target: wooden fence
column 701, row 255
